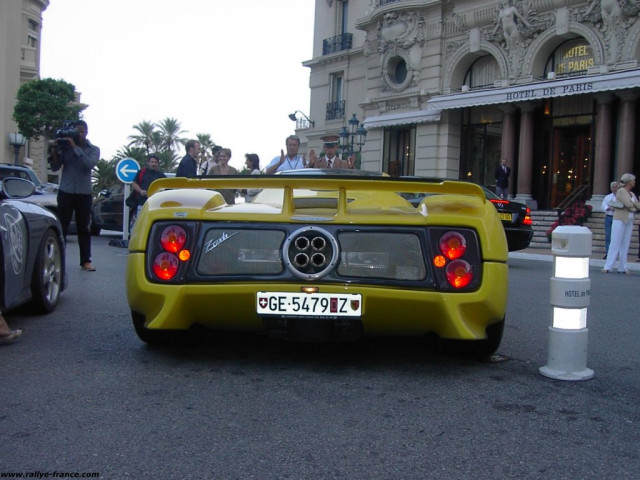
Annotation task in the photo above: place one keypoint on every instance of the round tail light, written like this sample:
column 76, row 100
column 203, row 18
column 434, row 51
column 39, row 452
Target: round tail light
column 459, row 273
column 173, row 238
column 452, row 245
column 165, row 266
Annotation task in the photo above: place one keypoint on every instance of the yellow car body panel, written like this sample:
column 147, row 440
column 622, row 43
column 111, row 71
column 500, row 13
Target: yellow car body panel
column 393, row 307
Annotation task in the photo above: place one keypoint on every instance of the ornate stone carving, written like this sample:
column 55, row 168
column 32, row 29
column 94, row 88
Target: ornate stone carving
column 400, row 30
column 612, row 18
column 402, row 34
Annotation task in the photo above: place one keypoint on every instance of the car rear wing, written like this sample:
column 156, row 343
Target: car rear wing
column 341, row 184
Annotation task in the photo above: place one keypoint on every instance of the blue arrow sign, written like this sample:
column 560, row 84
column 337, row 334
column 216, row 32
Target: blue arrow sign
column 127, row 169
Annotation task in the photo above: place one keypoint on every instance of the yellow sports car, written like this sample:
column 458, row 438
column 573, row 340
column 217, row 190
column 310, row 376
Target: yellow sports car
column 319, row 255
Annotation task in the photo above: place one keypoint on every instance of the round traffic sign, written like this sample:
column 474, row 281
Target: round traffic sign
column 127, row 169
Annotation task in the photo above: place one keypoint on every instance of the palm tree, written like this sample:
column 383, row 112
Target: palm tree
column 137, row 153
column 171, row 129
column 206, row 142
column 103, row 175
column 168, row 161
column 144, row 138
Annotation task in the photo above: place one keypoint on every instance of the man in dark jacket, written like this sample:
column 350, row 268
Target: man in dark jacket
column 502, row 179
column 188, row 165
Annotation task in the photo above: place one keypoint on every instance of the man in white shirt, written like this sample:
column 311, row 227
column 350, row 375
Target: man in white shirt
column 608, row 217
column 290, row 161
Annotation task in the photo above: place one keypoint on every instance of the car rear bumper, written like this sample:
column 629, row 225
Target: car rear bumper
column 518, row 238
column 385, row 311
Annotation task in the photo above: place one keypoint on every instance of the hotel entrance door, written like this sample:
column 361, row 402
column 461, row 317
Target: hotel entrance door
column 571, row 161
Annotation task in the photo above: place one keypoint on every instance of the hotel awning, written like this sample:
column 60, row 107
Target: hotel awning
column 540, row 90
column 402, row 118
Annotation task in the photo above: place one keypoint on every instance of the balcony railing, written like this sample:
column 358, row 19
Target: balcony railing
column 382, row 3
column 337, row 44
column 335, row 110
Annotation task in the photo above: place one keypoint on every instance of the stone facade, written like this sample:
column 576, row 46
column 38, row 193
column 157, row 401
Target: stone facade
column 20, row 24
column 448, row 88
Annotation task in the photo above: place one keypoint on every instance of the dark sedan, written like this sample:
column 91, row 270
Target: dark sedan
column 516, row 220
column 515, row 217
column 108, row 209
column 31, row 251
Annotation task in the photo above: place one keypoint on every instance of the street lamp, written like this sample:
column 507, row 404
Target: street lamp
column 356, row 135
column 299, row 123
column 18, row 141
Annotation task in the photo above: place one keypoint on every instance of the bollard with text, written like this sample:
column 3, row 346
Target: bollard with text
column 126, row 171
column 570, row 297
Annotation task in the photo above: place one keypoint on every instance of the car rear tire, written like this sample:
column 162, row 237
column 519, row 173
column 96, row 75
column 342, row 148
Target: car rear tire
column 156, row 337
column 46, row 284
column 476, row 348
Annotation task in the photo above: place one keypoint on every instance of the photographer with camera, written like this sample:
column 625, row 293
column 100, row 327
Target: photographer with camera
column 72, row 152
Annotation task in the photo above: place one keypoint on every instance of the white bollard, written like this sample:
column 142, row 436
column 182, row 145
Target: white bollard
column 570, row 297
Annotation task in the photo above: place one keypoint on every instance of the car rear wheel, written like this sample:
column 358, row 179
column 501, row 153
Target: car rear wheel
column 46, row 284
column 156, row 337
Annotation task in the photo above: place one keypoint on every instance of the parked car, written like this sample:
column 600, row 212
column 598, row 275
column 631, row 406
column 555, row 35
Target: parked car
column 107, row 210
column 32, row 249
column 515, row 217
column 516, row 220
column 44, row 194
column 319, row 255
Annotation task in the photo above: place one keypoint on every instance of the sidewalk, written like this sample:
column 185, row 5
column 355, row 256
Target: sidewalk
column 595, row 260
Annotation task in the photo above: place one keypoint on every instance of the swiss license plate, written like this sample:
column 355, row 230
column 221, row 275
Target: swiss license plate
column 505, row 216
column 309, row 304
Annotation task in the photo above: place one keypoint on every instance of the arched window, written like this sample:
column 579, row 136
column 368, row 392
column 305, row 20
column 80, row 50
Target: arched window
column 482, row 73
column 571, row 58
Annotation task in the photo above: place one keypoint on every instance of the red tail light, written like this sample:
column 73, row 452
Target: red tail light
column 165, row 266
column 527, row 218
column 452, row 245
column 173, row 238
column 459, row 273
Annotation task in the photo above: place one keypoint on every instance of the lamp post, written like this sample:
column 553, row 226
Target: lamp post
column 353, row 137
column 301, row 124
column 17, row 140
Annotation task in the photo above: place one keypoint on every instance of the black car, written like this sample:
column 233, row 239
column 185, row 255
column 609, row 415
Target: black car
column 31, row 250
column 107, row 213
column 516, row 220
column 515, row 217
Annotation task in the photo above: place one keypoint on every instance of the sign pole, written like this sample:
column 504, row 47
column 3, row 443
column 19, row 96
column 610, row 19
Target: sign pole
column 125, row 213
column 126, row 171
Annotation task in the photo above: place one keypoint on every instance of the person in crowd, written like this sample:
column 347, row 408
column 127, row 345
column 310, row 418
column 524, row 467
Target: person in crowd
column 290, row 161
column 206, row 166
column 252, row 162
column 502, row 179
column 7, row 335
column 145, row 177
column 188, row 166
column 622, row 225
column 77, row 157
column 223, row 168
column 608, row 215
column 329, row 159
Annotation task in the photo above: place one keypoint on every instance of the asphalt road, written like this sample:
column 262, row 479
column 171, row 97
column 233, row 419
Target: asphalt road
column 80, row 393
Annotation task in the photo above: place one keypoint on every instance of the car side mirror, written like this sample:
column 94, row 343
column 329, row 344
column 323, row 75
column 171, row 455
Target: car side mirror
column 17, row 188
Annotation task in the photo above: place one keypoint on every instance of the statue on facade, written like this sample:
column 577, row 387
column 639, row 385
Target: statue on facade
column 508, row 18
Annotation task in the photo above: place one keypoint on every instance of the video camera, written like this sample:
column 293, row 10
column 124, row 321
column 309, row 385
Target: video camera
column 68, row 130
